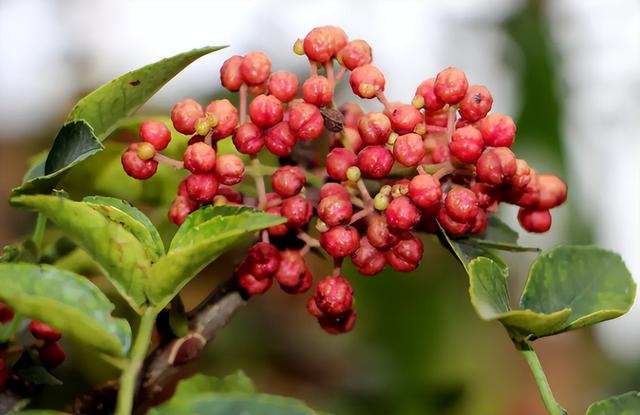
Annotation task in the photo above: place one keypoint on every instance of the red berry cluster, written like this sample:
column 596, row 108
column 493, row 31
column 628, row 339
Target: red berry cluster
column 441, row 159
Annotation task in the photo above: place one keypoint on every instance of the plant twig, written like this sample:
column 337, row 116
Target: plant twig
column 38, row 232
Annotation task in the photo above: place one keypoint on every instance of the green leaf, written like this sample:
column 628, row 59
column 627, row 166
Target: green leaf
column 122, row 256
column 204, row 236
column 66, row 301
column 625, row 404
column 96, row 115
column 132, row 219
column 498, row 231
column 235, row 382
column 594, row 283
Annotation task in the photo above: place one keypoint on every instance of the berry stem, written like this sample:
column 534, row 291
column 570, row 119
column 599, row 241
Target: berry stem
column 443, row 172
column 243, row 103
column 366, row 196
column 313, row 68
column 265, row 236
column 261, row 189
column 361, row 214
column 436, row 129
column 208, row 138
column 356, row 201
column 328, row 67
column 383, row 99
column 451, row 122
column 340, row 74
column 337, row 266
column 176, row 164
column 553, row 407
column 308, row 239
column 421, row 169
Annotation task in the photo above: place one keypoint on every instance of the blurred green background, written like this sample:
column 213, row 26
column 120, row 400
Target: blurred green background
column 418, row 347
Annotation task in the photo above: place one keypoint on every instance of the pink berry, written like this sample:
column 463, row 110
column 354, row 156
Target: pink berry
column 440, row 154
column 334, row 295
column 263, row 260
column 404, row 119
column 522, row 176
column 461, row 204
column 335, row 210
column 51, row 355
column 265, row 111
column 248, row 139
column 199, row 158
column 352, row 113
column 227, row 116
column 232, row 195
column 184, row 116
column 378, row 233
column 486, row 194
column 498, row 130
column 496, row 165
column 466, row 144
column 375, row 161
column 352, row 140
column 135, row 167
column 402, row 214
column 298, row 211
column 306, row 121
column 406, row 254
column 181, row 207
column 255, row 68
column 339, row 160
column 366, row 81
column 283, row 85
column 409, row 150
column 368, row 259
column 42, row 331
column 317, row 90
column 437, row 118
column 322, row 43
column 250, row 284
column 288, row 181
column 374, row 128
column 292, row 269
column 230, row 75
column 229, row 169
column 537, row 221
column 476, row 103
column 277, row 230
column 431, row 100
column 479, row 223
column 156, row 133
column 201, row 187
column 452, row 226
column 334, row 189
column 338, row 324
column 424, row 191
column 553, row 191
column 280, row 139
column 451, row 85
column 356, row 53
column 340, row 241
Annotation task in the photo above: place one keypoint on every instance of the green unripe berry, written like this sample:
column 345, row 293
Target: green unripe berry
column 380, row 202
column 146, row 151
column 353, row 174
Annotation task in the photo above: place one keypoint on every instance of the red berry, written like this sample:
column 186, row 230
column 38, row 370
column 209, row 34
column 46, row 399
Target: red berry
column 405, row 118
column 181, row 207
column 263, row 260
column 424, row 191
column 184, row 116
column 355, row 53
column 522, row 176
column 248, row 139
column 51, row 355
column 366, row 81
column 6, row 313
column 317, row 90
column 476, row 103
column 292, row 270
column 312, row 307
column 461, row 204
column 334, row 295
column 440, row 154
column 334, row 189
column 466, row 144
column 438, row 118
column 537, row 221
column 406, row 254
column 338, row 324
column 227, row 116
column 368, row 259
column 529, row 197
column 230, row 75
column 322, row 43
column 335, row 210
column 229, row 169
column 42, row 331
column 277, row 230
column 255, row 90
column 351, row 139
column 496, row 165
column 487, row 195
column 265, row 111
column 298, row 211
column 409, row 149
column 339, row 160
column 352, row 113
column 340, row 241
column 498, row 130
column 378, row 233
column 135, row 167
column 426, row 91
column 480, row 222
column 553, row 191
column 250, row 284
column 280, row 139
column 375, row 161
column 288, row 181
column 155, row 133
column 283, row 85
column 306, row 121
column 255, row 68
column 199, row 158
column 452, row 226
column 201, row 187
column 450, row 85
column 374, row 128
column 402, row 214
column 305, row 282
